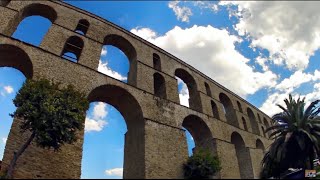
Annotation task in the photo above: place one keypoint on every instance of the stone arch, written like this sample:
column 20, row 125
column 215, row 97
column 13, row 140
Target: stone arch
column 200, row 132
column 244, row 124
column 194, row 97
column 263, row 131
column 4, row 2
column 82, row 27
column 215, row 110
column 239, row 107
column 73, row 45
column 259, row 118
column 259, row 145
column 159, row 85
column 12, row 56
column 130, row 109
column 228, row 110
column 253, row 122
column 34, row 9
column 243, row 156
column 123, row 44
column 156, row 62
column 208, row 89
column 128, row 49
column 265, row 122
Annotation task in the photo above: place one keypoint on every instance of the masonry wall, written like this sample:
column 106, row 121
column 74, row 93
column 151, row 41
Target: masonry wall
column 162, row 149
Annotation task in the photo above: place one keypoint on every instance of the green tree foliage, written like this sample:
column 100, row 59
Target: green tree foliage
column 51, row 114
column 296, row 131
column 201, row 165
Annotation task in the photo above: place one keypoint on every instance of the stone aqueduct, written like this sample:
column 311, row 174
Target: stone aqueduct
column 155, row 143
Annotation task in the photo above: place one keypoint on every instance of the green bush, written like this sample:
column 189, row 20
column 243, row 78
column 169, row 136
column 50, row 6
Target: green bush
column 201, row 165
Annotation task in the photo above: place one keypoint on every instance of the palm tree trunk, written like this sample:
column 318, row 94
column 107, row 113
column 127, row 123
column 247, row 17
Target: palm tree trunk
column 16, row 155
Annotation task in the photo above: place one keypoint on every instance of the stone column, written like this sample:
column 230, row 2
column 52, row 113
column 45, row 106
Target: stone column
column 228, row 158
column 37, row 162
column 166, row 151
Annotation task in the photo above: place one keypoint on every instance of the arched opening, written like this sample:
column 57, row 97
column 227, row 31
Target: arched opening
column 114, row 67
column 215, row 111
column 12, row 56
column 82, row 27
column 159, row 86
column 114, row 63
column 267, row 126
column 244, row 124
column 190, row 142
column 103, row 148
column 4, row 3
column 243, row 156
column 228, row 109
column 263, row 131
column 15, row 67
column 259, row 118
column 183, row 92
column 127, row 105
column 208, row 89
column 200, row 132
column 254, row 124
column 73, row 48
column 239, row 106
column 259, row 145
column 34, row 9
column 194, row 98
column 29, row 27
column 156, row 62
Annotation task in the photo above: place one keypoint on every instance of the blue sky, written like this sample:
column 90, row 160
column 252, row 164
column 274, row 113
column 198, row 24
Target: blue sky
column 262, row 51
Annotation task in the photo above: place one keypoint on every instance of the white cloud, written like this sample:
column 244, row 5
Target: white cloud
column 211, row 5
column 182, row 13
column 97, row 123
column 115, row 172
column 99, row 110
column 103, row 68
column 104, row 51
column 147, row 33
column 288, row 30
column 262, row 62
column 212, row 51
column 8, row 89
column 269, row 106
column 94, row 125
column 4, row 140
column 296, row 79
column 183, row 93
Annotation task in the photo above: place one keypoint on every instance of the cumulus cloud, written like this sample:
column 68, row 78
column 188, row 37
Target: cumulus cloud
column 269, row 106
column 182, row 13
column 212, row 51
column 94, row 125
column 97, row 123
column 290, row 36
column 105, row 69
column 288, row 86
column 99, row 110
column 147, row 33
column 4, row 140
column 114, row 172
column 183, row 93
column 296, row 79
column 104, row 51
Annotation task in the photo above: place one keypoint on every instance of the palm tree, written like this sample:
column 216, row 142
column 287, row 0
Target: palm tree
column 296, row 133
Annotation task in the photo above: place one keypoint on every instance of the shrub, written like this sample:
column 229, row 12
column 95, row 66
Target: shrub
column 201, row 165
